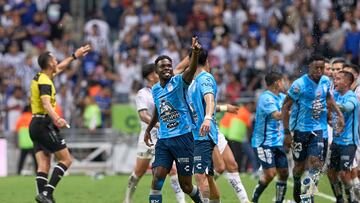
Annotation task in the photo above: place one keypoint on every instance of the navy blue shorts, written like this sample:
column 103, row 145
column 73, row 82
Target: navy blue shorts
column 271, row 157
column 203, row 157
column 325, row 140
column 307, row 144
column 179, row 149
column 342, row 156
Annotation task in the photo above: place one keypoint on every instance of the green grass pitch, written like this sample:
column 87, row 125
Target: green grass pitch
column 111, row 189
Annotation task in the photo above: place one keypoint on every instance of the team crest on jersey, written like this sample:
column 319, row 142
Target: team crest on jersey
column 170, row 87
column 168, row 114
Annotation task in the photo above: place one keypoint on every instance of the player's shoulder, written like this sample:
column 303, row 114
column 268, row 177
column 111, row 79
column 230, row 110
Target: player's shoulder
column 206, row 76
column 266, row 97
column 155, row 87
column 352, row 96
column 143, row 91
column 282, row 96
column 44, row 79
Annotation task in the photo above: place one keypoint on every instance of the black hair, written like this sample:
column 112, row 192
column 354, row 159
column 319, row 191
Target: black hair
column 148, row 69
column 353, row 67
column 161, row 57
column 43, row 60
column 316, row 57
column 202, row 57
column 349, row 76
column 272, row 77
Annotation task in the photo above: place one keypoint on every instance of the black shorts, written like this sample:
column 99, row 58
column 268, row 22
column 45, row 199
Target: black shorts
column 45, row 135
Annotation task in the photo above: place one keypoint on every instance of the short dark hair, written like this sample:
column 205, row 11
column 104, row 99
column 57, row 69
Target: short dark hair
column 349, row 76
column 353, row 67
column 203, row 54
column 148, row 69
column 316, row 57
column 272, row 77
column 43, row 60
column 161, row 57
column 337, row 60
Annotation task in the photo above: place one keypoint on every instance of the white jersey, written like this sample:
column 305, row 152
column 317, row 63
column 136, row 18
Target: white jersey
column 144, row 101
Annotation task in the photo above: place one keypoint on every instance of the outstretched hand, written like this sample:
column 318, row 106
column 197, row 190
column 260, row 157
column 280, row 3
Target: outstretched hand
column 82, row 51
column 195, row 45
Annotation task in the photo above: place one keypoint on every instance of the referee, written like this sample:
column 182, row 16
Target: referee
column 45, row 124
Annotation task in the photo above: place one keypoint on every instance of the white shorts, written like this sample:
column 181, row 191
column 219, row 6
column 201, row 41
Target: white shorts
column 222, row 142
column 356, row 162
column 143, row 151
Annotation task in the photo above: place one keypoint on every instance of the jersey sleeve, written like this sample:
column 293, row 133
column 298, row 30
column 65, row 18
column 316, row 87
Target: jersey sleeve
column 268, row 105
column 140, row 101
column 207, row 85
column 295, row 90
column 44, row 86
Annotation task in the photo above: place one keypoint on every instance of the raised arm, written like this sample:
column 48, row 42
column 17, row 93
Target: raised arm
column 80, row 52
column 151, row 125
column 181, row 67
column 189, row 72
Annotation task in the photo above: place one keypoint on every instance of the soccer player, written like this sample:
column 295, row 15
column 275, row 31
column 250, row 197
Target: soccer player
column 201, row 97
column 45, row 124
column 222, row 157
column 268, row 136
column 355, row 87
column 175, row 140
column 145, row 106
column 345, row 142
column 310, row 95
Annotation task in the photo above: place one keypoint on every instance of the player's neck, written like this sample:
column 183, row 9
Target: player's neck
column 274, row 90
column 313, row 79
column 164, row 82
column 48, row 72
column 344, row 91
column 198, row 71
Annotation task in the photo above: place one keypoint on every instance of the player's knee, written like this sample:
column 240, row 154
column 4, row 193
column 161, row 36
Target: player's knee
column 186, row 187
column 158, row 183
column 284, row 175
column 220, row 168
column 232, row 166
column 67, row 161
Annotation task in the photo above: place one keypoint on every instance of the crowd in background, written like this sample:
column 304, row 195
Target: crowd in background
column 244, row 38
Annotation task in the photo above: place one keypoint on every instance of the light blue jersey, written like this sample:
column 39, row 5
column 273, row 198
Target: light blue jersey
column 350, row 110
column 267, row 130
column 173, row 111
column 309, row 112
column 203, row 84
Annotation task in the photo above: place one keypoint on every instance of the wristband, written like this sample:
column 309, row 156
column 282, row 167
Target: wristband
column 207, row 117
column 74, row 57
column 287, row 131
column 223, row 108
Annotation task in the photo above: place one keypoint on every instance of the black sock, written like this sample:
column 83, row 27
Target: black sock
column 297, row 189
column 337, row 190
column 41, row 181
column 280, row 190
column 349, row 194
column 56, row 176
column 260, row 187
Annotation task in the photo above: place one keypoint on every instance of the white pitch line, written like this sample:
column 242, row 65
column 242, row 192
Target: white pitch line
column 320, row 194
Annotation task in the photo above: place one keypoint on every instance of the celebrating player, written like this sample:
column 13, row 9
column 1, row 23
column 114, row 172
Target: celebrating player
column 344, row 145
column 201, row 97
column 175, row 140
column 145, row 106
column 310, row 95
column 45, row 124
column 268, row 137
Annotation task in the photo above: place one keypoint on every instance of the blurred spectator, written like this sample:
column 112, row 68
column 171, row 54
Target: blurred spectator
column 92, row 114
column 26, row 72
column 128, row 72
column 103, row 100
column 352, row 40
column 55, row 12
column 204, row 35
column 146, row 16
column 287, row 40
column 14, row 57
column 98, row 42
column 112, row 11
column 219, row 28
column 234, row 17
column 14, row 107
column 26, row 9
column 17, row 31
column 39, row 30
column 4, row 40
column 6, row 19
column 24, row 141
